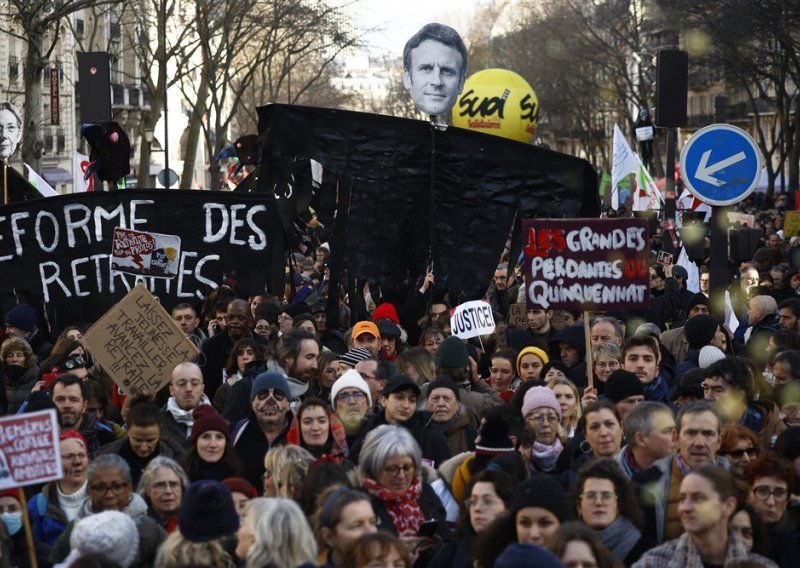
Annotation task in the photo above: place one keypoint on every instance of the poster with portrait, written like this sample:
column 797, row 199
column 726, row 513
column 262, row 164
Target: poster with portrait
column 435, row 68
column 10, row 130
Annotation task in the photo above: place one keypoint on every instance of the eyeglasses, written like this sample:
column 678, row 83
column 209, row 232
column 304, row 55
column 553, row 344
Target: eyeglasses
column 763, row 493
column 752, row 453
column 75, row 362
column 604, row 496
column 394, row 470
column 274, row 393
column 102, row 488
column 161, row 486
column 486, row 501
column 357, row 396
column 539, row 418
column 183, row 383
column 609, row 365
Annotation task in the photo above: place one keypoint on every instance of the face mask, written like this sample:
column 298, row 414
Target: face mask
column 13, row 522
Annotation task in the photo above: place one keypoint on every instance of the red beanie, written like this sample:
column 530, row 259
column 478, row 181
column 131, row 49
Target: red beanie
column 207, row 419
column 10, row 493
column 386, row 311
column 241, row 486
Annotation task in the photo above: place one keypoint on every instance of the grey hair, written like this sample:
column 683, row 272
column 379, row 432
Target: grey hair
column 382, row 444
column 110, row 461
column 613, row 322
column 698, row 407
column 13, row 110
column 608, row 350
column 640, row 419
column 650, row 329
column 282, row 535
column 154, row 465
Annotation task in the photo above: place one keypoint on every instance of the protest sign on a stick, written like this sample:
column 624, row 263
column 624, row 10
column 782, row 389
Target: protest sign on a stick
column 29, row 451
column 587, row 265
column 472, row 319
column 138, row 344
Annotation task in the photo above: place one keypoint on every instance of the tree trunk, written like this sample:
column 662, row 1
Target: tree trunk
column 794, row 155
column 216, row 175
column 195, row 126
column 32, row 144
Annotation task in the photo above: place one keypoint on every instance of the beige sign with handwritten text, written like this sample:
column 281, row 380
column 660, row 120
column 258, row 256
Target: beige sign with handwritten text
column 138, row 343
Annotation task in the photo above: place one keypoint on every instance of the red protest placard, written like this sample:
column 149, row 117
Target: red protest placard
column 29, row 449
column 587, row 264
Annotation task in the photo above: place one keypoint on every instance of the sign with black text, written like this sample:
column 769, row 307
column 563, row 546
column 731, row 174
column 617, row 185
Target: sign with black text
column 138, row 344
column 148, row 254
column 59, row 250
column 587, row 264
column 29, row 451
column 472, row 319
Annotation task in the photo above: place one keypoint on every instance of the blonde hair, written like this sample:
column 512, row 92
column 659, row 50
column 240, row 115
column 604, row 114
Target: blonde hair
column 278, row 461
column 281, row 534
column 179, row 552
column 573, row 422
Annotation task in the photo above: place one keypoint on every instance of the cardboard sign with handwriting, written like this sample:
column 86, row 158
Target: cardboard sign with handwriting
column 138, row 343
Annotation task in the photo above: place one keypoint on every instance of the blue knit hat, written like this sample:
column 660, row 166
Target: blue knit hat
column 270, row 380
column 207, row 512
column 22, row 317
column 519, row 555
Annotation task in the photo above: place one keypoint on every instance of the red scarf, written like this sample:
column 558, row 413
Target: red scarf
column 403, row 507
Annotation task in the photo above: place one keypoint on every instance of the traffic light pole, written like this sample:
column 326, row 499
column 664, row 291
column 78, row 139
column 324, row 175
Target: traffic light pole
column 669, row 193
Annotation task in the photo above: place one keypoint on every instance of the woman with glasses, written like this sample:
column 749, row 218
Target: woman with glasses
column 390, row 465
column 707, row 500
column 318, row 430
column 606, row 358
column 542, row 414
column 771, row 480
column 740, row 445
column 162, row 486
column 59, row 501
column 110, row 489
column 490, row 494
column 605, row 502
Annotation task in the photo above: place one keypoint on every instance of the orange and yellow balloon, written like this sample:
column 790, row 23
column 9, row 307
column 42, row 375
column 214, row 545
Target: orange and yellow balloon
column 499, row 102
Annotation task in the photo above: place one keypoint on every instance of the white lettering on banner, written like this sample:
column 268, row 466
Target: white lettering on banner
column 587, row 240
column 227, row 222
column 544, row 293
column 471, row 319
column 559, row 267
column 50, row 273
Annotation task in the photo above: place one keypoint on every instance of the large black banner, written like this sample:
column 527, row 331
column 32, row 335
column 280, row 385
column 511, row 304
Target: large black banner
column 58, row 250
column 399, row 193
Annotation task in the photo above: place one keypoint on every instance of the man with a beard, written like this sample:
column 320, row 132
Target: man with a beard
column 69, row 396
column 215, row 351
column 351, row 399
column 266, row 427
column 295, row 358
column 186, row 394
column 444, row 403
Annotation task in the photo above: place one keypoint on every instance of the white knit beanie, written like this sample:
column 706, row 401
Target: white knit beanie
column 350, row 379
column 110, row 534
column 709, row 355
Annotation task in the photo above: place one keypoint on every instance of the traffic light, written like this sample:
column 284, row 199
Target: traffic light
column 672, row 87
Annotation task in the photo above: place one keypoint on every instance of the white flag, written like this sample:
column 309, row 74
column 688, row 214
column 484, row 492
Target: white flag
column 624, row 163
column 731, row 321
column 693, row 282
column 646, row 190
column 81, row 162
column 39, row 183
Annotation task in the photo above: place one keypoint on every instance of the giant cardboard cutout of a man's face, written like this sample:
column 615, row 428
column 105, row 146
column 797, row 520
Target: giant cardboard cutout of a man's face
column 10, row 130
column 434, row 68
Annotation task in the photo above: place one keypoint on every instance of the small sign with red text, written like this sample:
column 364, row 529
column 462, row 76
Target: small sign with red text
column 145, row 254
column 29, row 449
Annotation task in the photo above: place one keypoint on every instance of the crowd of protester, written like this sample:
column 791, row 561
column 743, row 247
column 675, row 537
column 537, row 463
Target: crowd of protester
column 377, row 438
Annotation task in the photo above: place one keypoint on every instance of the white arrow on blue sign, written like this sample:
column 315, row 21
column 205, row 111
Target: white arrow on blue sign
column 721, row 164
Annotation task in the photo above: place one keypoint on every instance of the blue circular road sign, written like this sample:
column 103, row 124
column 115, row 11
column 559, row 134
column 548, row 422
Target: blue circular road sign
column 721, row 164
